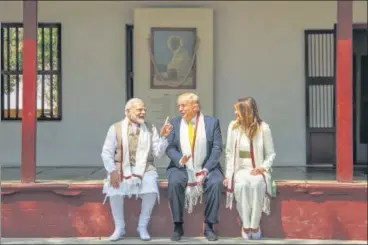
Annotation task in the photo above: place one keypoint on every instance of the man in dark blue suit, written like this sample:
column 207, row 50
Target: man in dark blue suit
column 195, row 147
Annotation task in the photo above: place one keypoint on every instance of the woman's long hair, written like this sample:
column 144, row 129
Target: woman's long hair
column 248, row 116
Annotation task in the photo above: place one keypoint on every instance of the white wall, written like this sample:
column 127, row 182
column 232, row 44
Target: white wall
column 258, row 51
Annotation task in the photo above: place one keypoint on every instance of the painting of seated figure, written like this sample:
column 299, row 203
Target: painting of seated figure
column 173, row 58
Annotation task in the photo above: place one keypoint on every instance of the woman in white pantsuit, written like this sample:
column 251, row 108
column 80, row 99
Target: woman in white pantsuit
column 249, row 157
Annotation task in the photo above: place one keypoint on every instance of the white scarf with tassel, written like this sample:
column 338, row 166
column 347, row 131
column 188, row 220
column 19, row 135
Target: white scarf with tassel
column 194, row 188
column 230, row 185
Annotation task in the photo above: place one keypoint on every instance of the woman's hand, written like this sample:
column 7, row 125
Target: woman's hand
column 258, row 171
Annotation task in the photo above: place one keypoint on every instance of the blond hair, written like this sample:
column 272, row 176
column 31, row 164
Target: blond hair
column 190, row 97
column 249, row 119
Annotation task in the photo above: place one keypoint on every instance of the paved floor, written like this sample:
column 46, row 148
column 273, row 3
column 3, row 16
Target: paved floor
column 99, row 173
column 167, row 241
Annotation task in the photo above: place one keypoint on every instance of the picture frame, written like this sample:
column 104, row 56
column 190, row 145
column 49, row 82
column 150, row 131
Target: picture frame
column 173, row 58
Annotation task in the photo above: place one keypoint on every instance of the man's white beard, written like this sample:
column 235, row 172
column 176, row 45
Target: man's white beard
column 135, row 119
column 139, row 121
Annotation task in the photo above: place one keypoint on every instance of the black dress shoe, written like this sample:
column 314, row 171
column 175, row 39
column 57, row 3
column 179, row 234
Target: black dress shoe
column 178, row 232
column 209, row 233
column 211, row 236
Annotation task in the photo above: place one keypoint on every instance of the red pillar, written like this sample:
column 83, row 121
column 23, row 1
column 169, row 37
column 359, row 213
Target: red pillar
column 29, row 110
column 344, row 92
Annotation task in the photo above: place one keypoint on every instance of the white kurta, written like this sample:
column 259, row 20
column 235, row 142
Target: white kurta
column 150, row 179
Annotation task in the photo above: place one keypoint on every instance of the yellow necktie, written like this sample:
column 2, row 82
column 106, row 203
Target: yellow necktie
column 191, row 132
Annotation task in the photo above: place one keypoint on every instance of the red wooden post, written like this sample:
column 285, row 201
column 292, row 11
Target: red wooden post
column 29, row 110
column 344, row 92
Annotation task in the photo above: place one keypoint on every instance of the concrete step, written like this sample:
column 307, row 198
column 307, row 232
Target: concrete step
column 193, row 240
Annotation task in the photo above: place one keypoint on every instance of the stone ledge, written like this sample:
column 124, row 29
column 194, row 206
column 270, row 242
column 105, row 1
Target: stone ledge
column 300, row 211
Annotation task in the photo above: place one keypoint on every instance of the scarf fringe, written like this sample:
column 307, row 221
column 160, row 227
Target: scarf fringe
column 230, row 194
column 192, row 195
column 266, row 205
column 131, row 187
column 229, row 200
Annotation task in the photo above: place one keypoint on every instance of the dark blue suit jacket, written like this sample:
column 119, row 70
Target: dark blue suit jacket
column 214, row 144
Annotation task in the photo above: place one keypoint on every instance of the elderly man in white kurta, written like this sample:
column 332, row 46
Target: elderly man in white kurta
column 128, row 155
column 249, row 158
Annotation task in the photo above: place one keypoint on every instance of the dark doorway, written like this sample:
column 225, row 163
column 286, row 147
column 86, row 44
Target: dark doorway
column 360, row 96
column 129, row 79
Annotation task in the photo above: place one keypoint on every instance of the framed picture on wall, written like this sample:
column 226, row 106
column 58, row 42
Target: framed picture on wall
column 173, row 53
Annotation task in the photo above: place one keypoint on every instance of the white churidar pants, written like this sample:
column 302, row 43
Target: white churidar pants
column 149, row 195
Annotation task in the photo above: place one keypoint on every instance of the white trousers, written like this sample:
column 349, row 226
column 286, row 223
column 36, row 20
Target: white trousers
column 149, row 195
column 117, row 209
column 249, row 192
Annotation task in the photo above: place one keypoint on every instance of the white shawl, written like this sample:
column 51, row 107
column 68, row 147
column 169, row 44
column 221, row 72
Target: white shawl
column 132, row 175
column 194, row 188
